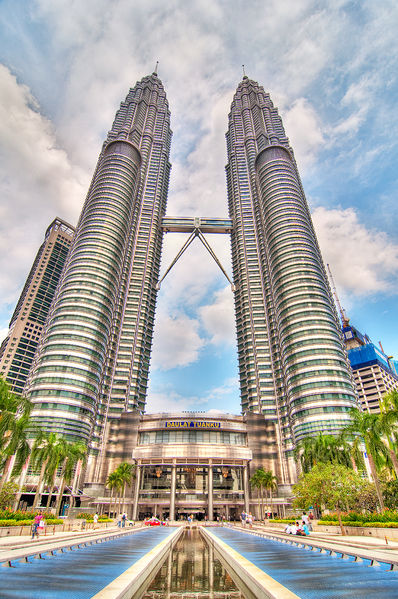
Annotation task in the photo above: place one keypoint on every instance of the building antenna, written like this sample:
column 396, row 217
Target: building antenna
column 243, row 69
column 344, row 320
column 155, row 72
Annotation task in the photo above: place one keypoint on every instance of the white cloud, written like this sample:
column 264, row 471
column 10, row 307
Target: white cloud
column 226, row 396
column 177, row 342
column 171, row 401
column 363, row 261
column 218, row 318
column 37, row 180
column 304, row 129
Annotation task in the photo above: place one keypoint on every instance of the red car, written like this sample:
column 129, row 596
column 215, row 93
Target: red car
column 153, row 522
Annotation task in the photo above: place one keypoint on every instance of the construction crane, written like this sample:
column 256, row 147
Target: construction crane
column 344, row 320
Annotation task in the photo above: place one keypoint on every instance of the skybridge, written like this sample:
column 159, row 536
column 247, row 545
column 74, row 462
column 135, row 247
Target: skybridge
column 196, row 226
column 188, row 224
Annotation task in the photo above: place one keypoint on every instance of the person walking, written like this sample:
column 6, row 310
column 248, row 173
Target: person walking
column 36, row 524
column 95, row 519
column 124, row 516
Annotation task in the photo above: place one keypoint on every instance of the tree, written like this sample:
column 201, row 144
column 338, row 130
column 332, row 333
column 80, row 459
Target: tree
column 331, row 486
column 126, row 473
column 14, row 422
column 270, row 484
column 388, row 421
column 369, row 427
column 72, row 454
column 258, row 481
column 7, row 494
column 43, row 452
column 114, row 483
column 390, row 494
column 323, row 449
column 17, row 449
column 56, row 459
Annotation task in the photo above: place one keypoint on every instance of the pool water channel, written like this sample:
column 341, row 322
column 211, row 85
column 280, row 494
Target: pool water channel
column 192, row 570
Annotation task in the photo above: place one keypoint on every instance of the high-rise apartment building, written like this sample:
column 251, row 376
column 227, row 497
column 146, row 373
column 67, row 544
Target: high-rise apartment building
column 26, row 325
column 94, row 357
column 292, row 363
column 375, row 373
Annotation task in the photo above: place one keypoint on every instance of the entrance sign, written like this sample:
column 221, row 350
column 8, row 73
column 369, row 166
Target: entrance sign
column 192, row 424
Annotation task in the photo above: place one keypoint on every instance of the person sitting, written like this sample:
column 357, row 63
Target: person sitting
column 288, row 529
column 299, row 530
column 305, row 528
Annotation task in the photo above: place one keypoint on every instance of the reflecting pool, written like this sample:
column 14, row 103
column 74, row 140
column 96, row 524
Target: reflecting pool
column 192, row 570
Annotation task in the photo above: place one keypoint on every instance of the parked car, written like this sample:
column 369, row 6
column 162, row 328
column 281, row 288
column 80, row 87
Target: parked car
column 153, row 522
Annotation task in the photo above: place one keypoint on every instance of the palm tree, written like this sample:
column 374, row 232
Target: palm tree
column 14, row 422
column 388, row 421
column 126, row 473
column 270, row 484
column 72, row 453
column 259, row 481
column 57, row 458
column 368, row 426
column 43, row 451
column 114, row 483
column 323, row 449
column 17, row 449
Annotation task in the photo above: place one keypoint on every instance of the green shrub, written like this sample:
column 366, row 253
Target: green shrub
column 14, row 522
column 10, row 522
column 85, row 516
column 283, row 521
column 371, row 517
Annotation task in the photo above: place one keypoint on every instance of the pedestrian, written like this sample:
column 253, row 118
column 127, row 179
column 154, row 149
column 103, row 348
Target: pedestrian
column 95, row 519
column 36, row 524
column 119, row 520
column 243, row 517
column 250, row 520
column 305, row 518
column 124, row 516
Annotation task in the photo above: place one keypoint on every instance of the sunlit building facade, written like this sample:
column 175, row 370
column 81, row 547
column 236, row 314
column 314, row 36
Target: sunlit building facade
column 293, row 367
column 375, row 373
column 91, row 370
column 26, row 326
column 94, row 356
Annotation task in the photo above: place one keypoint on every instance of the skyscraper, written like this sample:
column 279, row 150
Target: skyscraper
column 292, row 363
column 94, row 357
column 18, row 348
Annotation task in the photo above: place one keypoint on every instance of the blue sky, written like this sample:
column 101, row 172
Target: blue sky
column 331, row 68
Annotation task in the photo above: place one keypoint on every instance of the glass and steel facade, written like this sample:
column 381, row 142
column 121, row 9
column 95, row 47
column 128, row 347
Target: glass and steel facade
column 18, row 348
column 94, row 356
column 93, row 361
column 293, row 367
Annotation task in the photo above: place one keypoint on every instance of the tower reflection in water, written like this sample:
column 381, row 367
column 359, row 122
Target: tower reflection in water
column 191, row 570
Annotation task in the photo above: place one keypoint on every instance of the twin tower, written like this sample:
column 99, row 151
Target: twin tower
column 93, row 361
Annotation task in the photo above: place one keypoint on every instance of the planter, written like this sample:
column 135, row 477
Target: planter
column 51, row 529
